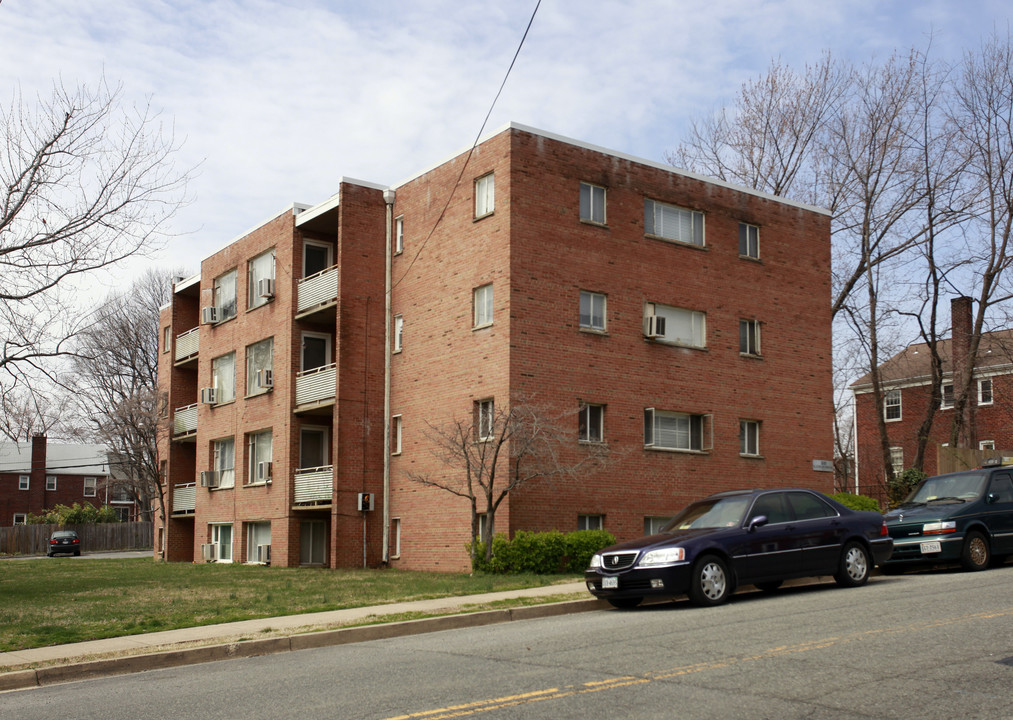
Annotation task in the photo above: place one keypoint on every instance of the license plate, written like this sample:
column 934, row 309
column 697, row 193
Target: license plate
column 609, row 583
column 930, row 547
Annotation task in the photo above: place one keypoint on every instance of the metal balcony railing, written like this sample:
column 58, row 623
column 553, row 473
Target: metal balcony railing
column 184, row 420
column 184, row 498
column 317, row 385
column 314, row 485
column 318, row 289
column 187, row 344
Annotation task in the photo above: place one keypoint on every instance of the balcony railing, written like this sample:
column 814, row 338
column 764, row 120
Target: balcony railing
column 184, row 498
column 318, row 289
column 317, row 385
column 184, row 421
column 314, row 485
column 187, row 344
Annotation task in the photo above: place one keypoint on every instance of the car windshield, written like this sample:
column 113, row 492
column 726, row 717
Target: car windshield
column 711, row 513
column 953, row 488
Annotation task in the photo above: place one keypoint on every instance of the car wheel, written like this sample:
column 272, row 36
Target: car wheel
column 77, row 553
column 624, row 603
column 975, row 555
column 770, row 586
column 711, row 583
column 855, row 565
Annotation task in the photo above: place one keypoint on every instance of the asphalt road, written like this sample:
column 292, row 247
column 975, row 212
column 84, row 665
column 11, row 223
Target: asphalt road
column 931, row 645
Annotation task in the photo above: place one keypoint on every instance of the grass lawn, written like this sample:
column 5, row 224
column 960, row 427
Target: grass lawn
column 55, row 601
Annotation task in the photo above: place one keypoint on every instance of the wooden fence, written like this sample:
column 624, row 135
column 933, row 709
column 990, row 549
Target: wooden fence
column 95, row 537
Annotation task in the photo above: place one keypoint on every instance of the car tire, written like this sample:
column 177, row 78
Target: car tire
column 711, row 583
column 976, row 554
column 769, row 586
column 77, row 553
column 855, row 565
column 624, row 603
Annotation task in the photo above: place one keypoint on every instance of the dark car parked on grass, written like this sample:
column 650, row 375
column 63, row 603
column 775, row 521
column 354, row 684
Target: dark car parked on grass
column 64, row 542
column 745, row 537
column 964, row 517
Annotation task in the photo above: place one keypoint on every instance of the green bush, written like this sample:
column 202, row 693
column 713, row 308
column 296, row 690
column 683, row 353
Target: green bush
column 900, row 486
column 856, row 502
column 541, row 553
column 75, row 514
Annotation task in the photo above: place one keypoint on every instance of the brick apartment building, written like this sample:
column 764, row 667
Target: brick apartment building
column 38, row 476
column 536, row 268
column 906, row 393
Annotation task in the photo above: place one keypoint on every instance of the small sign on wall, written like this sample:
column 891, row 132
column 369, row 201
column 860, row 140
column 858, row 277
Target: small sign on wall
column 823, row 465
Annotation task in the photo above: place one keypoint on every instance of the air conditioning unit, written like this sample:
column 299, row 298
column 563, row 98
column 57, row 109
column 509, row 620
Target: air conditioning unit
column 264, row 471
column 265, row 379
column 209, row 478
column 264, row 554
column 209, row 396
column 209, row 315
column 654, row 326
column 265, row 287
column 209, row 552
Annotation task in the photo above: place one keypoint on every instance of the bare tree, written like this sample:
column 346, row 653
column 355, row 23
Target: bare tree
column 497, row 451
column 84, row 184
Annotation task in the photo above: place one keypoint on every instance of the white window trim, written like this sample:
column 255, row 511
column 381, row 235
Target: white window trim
column 696, row 218
column 253, row 299
column 697, row 320
column 754, row 327
column 92, row 483
column 706, row 431
column 217, row 295
column 216, row 539
column 395, row 537
column 991, row 391
column 51, row 483
column 396, row 428
column 591, row 204
column 252, row 458
column 943, row 405
column 485, row 195
column 399, row 234
column 218, row 378
column 899, row 405
column 592, row 298
column 484, row 298
column 585, row 422
column 398, row 333
column 744, row 427
column 894, row 453
column 986, row 444
column 20, row 519
column 485, row 419
column 586, row 519
column 756, row 230
column 318, row 244
column 252, row 369
column 24, row 482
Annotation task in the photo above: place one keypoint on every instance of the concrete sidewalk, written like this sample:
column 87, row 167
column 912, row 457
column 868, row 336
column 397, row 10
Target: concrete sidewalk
column 134, row 653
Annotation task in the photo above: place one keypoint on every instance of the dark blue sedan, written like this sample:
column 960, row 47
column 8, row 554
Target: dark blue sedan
column 745, row 537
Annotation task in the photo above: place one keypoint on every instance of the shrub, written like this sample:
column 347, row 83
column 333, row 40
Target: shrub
column 581, row 545
column 856, row 502
column 75, row 514
column 900, row 486
column 541, row 553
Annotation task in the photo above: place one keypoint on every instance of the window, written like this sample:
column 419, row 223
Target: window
column 891, row 405
column 1002, row 487
column 485, row 419
column 673, row 223
column 680, row 326
column 316, row 257
column 654, row 523
column 749, row 337
column 592, row 203
column 485, row 195
column 897, row 460
column 749, row 437
column 225, row 462
column 985, row 391
column 591, row 423
column 749, row 240
column 225, row 295
column 50, row 483
column 395, row 537
column 20, row 518
column 592, row 311
column 946, row 401
column 395, row 435
column 483, row 305
column 676, row 431
column 398, row 332
column 260, row 367
column 483, row 523
column 221, row 535
column 398, row 235
column 809, row 507
column 166, row 339
column 223, row 377
column 590, row 522
column 90, row 486
column 312, row 542
column 23, row 481
column 260, row 280
column 315, row 351
column 259, row 454
column 258, row 535
column 986, row 445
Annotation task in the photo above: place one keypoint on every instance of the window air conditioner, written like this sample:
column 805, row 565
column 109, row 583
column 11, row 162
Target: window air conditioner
column 265, row 379
column 209, row 396
column 265, row 287
column 209, row 552
column 264, row 554
column 209, row 478
column 264, row 471
column 209, row 315
column 654, row 326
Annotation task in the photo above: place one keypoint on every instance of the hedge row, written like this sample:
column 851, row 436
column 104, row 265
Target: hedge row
column 542, row 553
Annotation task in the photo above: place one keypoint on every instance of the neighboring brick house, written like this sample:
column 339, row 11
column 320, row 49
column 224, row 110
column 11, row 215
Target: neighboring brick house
column 39, row 476
column 630, row 294
column 906, row 382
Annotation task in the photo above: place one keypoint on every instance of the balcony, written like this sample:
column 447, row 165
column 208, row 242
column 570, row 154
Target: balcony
column 184, row 499
column 318, row 295
column 184, row 423
column 187, row 344
column 315, row 389
column 313, row 487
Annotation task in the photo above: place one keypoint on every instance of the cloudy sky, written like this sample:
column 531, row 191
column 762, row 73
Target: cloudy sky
column 277, row 99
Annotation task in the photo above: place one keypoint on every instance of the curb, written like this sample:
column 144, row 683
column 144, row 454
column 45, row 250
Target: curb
column 91, row 669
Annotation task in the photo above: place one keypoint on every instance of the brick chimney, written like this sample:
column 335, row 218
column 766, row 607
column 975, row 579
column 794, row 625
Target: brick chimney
column 963, row 363
column 37, row 481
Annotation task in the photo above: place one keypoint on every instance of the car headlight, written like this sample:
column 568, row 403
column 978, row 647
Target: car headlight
column 595, row 562
column 939, row 528
column 664, row 556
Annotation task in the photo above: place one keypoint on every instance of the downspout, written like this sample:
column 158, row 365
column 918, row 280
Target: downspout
column 854, row 433
column 388, row 198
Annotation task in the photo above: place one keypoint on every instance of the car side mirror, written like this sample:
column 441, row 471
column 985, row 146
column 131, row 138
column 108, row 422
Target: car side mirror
column 991, row 498
column 758, row 521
